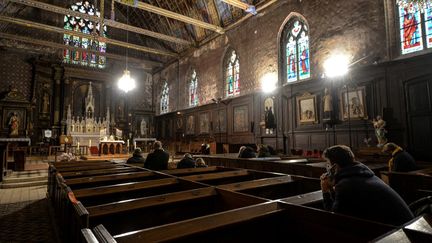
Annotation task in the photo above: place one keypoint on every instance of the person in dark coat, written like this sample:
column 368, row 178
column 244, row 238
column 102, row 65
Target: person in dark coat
column 246, row 152
column 263, row 151
column 136, row 158
column 186, row 162
column 401, row 160
column 158, row 159
column 200, row 163
column 349, row 187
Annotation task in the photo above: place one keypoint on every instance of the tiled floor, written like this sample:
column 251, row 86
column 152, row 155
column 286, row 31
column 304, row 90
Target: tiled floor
column 22, row 194
column 25, row 213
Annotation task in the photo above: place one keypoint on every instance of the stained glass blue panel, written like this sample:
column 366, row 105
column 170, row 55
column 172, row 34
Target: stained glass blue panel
column 428, row 24
column 304, row 68
column 291, row 52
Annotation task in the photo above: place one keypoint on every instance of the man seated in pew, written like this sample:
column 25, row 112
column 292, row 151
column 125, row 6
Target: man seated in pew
column 158, row 159
column 186, row 162
column 136, row 158
column 246, row 152
column 349, row 187
column 401, row 160
column 200, row 163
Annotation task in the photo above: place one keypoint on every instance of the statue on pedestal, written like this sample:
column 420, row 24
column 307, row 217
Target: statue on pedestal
column 380, row 131
column 14, row 125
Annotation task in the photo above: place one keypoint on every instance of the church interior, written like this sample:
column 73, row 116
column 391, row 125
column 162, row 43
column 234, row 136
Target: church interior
column 87, row 85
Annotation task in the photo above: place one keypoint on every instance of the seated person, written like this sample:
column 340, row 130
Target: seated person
column 349, row 187
column 401, row 160
column 186, row 162
column 158, row 159
column 136, row 158
column 199, row 163
column 246, row 152
column 263, row 151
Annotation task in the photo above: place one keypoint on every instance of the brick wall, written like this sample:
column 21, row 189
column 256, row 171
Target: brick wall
column 356, row 27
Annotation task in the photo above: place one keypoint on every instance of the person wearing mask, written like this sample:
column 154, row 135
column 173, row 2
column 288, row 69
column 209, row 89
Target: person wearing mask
column 349, row 187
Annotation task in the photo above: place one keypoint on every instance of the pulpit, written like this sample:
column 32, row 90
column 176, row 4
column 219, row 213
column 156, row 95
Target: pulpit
column 111, row 147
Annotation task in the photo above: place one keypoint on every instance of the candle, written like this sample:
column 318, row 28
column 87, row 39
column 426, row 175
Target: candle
column 134, row 144
column 78, row 145
column 127, row 143
column 90, row 143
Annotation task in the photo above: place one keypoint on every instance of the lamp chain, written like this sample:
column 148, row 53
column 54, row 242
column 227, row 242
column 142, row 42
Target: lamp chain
column 127, row 35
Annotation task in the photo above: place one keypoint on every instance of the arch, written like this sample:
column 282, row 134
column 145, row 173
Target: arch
column 294, row 52
column 231, row 72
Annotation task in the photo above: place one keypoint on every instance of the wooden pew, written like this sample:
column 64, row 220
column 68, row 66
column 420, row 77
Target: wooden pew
column 136, row 213
column 407, row 185
column 267, row 222
column 310, row 199
column 228, row 177
column 194, row 171
column 417, row 230
column 115, row 170
column 276, row 187
column 112, row 193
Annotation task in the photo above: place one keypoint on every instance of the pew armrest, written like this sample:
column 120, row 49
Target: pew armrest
column 103, row 235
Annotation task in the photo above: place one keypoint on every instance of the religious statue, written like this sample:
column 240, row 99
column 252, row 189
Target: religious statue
column 328, row 104
column 14, row 124
column 269, row 118
column 380, row 131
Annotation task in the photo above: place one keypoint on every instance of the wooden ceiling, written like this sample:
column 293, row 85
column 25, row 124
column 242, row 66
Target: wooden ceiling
column 158, row 30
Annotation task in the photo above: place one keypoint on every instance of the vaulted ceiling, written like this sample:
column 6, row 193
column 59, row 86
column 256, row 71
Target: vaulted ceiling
column 154, row 31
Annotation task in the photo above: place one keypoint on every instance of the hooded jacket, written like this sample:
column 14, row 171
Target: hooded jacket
column 359, row 193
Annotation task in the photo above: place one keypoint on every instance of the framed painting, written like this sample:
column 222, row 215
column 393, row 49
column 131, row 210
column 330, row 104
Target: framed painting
column 190, row 125
column 14, row 119
column 241, row 118
column 353, row 103
column 306, row 109
column 204, row 126
column 219, row 122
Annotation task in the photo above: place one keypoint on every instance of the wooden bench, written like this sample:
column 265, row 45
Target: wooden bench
column 137, row 213
column 267, row 222
column 417, row 230
column 276, row 187
column 408, row 184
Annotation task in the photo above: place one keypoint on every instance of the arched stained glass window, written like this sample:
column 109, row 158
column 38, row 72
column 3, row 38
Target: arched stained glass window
column 164, row 104
column 232, row 71
column 193, row 90
column 87, row 27
column 415, row 24
column 296, row 49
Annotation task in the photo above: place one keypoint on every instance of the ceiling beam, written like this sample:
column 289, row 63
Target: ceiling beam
column 108, row 22
column 35, row 25
column 141, row 63
column 173, row 15
column 239, row 4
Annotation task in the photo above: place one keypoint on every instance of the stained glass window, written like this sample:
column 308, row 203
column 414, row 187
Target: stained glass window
column 232, row 77
column 415, row 24
column 85, row 26
column 193, row 90
column 297, row 51
column 164, row 99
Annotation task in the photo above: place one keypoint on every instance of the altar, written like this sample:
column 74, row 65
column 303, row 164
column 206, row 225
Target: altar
column 110, row 147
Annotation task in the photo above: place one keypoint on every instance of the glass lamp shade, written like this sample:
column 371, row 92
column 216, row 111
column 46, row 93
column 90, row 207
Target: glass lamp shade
column 126, row 83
